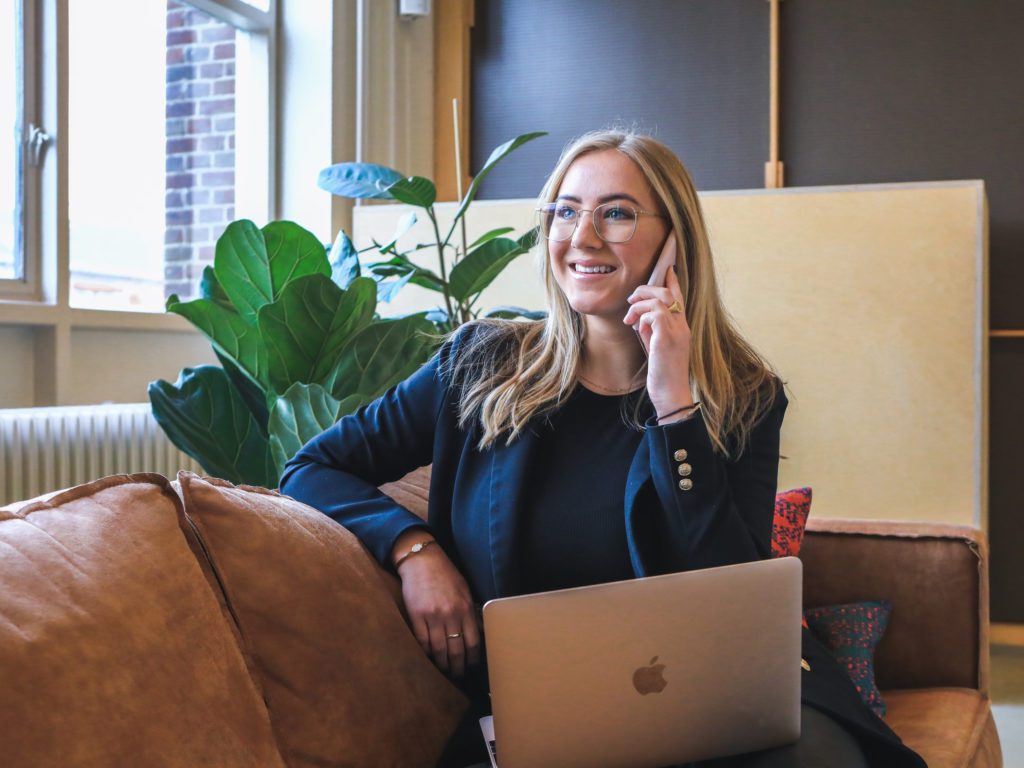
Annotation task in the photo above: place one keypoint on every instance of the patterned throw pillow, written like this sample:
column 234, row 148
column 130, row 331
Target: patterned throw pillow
column 791, row 511
column 851, row 632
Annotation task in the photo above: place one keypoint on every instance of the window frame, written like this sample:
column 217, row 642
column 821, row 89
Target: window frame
column 45, row 245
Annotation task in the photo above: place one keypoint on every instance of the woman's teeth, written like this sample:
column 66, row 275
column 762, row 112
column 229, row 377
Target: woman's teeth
column 592, row 270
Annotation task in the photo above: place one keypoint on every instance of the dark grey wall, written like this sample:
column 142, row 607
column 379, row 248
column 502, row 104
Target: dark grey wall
column 872, row 91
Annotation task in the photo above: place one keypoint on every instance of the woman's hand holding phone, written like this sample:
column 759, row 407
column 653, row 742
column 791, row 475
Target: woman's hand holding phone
column 665, row 334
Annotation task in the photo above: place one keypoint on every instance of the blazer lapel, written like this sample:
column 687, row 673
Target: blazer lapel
column 509, row 469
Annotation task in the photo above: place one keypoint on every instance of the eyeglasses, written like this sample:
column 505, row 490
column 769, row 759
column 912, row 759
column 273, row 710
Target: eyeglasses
column 613, row 222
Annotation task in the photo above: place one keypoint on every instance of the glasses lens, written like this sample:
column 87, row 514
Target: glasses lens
column 558, row 221
column 615, row 223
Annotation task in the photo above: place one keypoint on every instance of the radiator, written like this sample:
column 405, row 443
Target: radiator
column 47, row 449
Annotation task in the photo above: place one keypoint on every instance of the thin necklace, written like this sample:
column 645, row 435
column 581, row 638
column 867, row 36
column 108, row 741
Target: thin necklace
column 603, row 388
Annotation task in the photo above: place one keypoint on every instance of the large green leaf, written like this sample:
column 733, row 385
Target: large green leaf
column 363, row 181
column 344, row 260
column 254, row 397
column 308, row 326
column 496, row 157
column 302, row 413
column 254, row 266
column 210, row 289
column 414, row 190
column 229, row 333
column 205, row 417
column 491, row 235
column 480, row 267
column 382, row 355
column 400, row 265
column 404, row 225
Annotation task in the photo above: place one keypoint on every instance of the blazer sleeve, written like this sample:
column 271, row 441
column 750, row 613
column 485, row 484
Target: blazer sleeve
column 339, row 471
column 725, row 515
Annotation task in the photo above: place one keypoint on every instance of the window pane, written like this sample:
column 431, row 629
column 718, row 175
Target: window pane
column 10, row 141
column 152, row 148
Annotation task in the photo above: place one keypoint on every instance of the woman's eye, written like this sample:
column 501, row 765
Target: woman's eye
column 565, row 213
column 617, row 213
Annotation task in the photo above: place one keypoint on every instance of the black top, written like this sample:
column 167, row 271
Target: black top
column 574, row 532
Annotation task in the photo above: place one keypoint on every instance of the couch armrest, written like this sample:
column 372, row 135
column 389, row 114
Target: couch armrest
column 936, row 577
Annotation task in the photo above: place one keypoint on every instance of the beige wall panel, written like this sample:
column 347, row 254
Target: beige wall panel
column 17, row 350
column 870, row 301
column 116, row 366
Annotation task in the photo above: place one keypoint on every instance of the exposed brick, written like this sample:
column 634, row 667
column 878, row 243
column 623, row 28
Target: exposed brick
column 198, row 196
column 198, row 125
column 224, row 124
column 218, row 33
column 216, row 106
column 182, row 72
column 180, row 37
column 172, row 236
column 206, row 252
column 180, row 109
column 224, row 51
column 200, row 234
column 224, row 160
column 174, row 200
column 218, row 179
column 174, row 127
column 175, row 55
column 229, row 68
column 212, row 70
column 211, row 143
column 175, row 16
column 178, row 217
column 231, row 142
column 197, row 53
column 179, row 180
column 178, row 253
column 174, row 272
column 174, row 163
column 180, row 145
column 221, row 196
column 220, row 87
column 201, row 160
column 184, row 290
column 211, row 215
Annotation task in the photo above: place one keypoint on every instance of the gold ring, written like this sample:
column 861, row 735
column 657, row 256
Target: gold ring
column 675, row 307
column 454, row 635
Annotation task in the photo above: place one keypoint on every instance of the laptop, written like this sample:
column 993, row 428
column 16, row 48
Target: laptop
column 647, row 672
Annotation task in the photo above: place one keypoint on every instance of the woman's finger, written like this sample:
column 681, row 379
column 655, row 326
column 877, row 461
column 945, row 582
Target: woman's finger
column 471, row 636
column 644, row 307
column 456, row 651
column 439, row 645
column 644, row 292
column 422, row 633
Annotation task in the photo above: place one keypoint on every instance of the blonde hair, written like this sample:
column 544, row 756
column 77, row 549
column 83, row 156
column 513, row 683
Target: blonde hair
column 516, row 371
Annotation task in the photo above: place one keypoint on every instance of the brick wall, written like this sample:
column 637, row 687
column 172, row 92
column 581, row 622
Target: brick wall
column 200, row 126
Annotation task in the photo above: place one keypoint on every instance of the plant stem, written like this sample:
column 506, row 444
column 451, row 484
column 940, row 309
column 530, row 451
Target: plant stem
column 444, row 271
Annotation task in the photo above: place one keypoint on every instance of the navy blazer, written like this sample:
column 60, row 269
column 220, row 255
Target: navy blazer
column 476, row 499
column 476, row 496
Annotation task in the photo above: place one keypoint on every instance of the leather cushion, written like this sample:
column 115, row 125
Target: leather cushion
column 344, row 679
column 115, row 651
column 948, row 727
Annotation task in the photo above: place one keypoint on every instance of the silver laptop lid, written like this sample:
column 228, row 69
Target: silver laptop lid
column 648, row 672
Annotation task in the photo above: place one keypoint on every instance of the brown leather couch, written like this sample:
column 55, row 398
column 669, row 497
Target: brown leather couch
column 145, row 624
column 932, row 665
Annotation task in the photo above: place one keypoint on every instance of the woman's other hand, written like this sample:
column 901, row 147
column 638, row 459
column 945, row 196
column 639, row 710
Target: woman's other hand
column 439, row 604
column 665, row 335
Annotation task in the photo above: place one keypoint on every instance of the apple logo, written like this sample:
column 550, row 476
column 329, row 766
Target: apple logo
column 650, row 679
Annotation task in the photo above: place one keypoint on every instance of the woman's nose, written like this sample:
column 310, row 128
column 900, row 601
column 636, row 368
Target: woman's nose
column 585, row 236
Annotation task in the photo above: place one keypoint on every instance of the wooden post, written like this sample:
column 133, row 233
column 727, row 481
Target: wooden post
column 453, row 20
column 773, row 169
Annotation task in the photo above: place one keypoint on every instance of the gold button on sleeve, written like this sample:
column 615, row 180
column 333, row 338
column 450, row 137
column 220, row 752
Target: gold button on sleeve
column 685, row 470
column 680, row 455
column 686, row 484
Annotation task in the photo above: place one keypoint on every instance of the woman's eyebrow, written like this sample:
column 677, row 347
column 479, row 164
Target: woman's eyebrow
column 603, row 198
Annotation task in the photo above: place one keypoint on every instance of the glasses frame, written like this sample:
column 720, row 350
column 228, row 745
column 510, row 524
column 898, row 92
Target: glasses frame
column 579, row 211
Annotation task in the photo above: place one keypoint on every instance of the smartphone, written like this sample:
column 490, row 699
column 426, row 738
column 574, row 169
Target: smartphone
column 666, row 260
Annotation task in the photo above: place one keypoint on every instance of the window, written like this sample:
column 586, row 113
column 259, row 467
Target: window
column 166, row 129
column 11, row 129
column 168, row 138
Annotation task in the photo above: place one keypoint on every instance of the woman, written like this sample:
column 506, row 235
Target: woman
column 630, row 433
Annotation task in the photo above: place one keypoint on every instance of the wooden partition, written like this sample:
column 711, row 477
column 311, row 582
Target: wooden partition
column 870, row 300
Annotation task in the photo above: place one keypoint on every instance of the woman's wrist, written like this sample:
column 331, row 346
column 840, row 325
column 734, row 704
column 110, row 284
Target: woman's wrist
column 680, row 414
column 410, row 544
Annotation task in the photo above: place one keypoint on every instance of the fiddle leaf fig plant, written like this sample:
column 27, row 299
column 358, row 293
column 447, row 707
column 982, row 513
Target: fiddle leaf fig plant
column 295, row 328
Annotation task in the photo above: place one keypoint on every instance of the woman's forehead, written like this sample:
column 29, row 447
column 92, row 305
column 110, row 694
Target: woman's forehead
column 598, row 175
